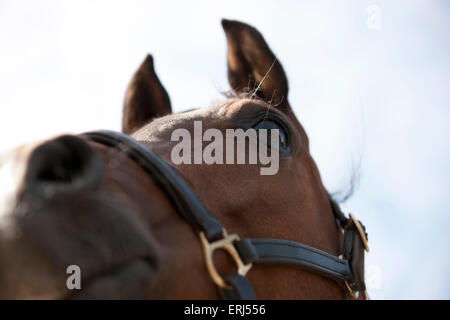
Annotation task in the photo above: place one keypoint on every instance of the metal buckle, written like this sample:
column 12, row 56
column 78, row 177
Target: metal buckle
column 361, row 231
column 356, row 295
column 227, row 244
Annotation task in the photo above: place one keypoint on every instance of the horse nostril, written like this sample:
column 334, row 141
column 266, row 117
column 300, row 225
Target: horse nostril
column 61, row 170
column 66, row 162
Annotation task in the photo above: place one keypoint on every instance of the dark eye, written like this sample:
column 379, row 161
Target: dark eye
column 269, row 124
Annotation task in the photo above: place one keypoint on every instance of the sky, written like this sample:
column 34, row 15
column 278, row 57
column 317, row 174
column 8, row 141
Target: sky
column 369, row 81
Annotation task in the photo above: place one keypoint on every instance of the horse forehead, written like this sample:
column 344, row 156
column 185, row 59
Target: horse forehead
column 161, row 128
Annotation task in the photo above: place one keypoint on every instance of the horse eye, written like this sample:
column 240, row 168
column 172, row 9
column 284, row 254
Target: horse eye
column 268, row 124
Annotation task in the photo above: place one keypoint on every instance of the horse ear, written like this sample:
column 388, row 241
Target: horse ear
column 145, row 98
column 251, row 63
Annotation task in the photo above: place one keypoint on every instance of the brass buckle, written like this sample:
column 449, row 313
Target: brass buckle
column 356, row 295
column 361, row 232
column 227, row 244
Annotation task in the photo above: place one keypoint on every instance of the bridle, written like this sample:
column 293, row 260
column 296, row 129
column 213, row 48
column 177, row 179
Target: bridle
column 347, row 269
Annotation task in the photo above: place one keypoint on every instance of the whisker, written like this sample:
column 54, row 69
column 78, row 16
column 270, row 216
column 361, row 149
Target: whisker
column 269, row 105
column 264, row 78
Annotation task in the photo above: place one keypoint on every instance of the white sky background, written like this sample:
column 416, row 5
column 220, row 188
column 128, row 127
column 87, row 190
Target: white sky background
column 379, row 96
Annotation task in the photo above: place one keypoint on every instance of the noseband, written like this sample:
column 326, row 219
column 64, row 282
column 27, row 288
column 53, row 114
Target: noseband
column 347, row 269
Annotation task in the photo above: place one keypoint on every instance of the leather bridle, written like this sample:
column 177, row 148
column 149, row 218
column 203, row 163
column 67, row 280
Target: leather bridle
column 347, row 269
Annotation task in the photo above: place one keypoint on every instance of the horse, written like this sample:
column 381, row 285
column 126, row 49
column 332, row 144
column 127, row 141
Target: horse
column 74, row 201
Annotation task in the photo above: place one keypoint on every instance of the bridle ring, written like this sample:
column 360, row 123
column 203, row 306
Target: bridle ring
column 227, row 244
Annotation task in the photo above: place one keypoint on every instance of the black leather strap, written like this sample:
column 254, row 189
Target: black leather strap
column 178, row 191
column 274, row 251
column 354, row 253
column 240, row 289
column 338, row 214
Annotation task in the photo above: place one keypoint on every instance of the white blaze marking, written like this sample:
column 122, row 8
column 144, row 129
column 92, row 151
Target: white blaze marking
column 12, row 173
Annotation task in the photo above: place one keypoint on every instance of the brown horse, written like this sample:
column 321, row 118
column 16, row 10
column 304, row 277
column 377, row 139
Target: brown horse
column 69, row 201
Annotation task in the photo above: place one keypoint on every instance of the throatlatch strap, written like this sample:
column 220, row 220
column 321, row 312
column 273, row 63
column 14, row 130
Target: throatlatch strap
column 338, row 214
column 240, row 289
